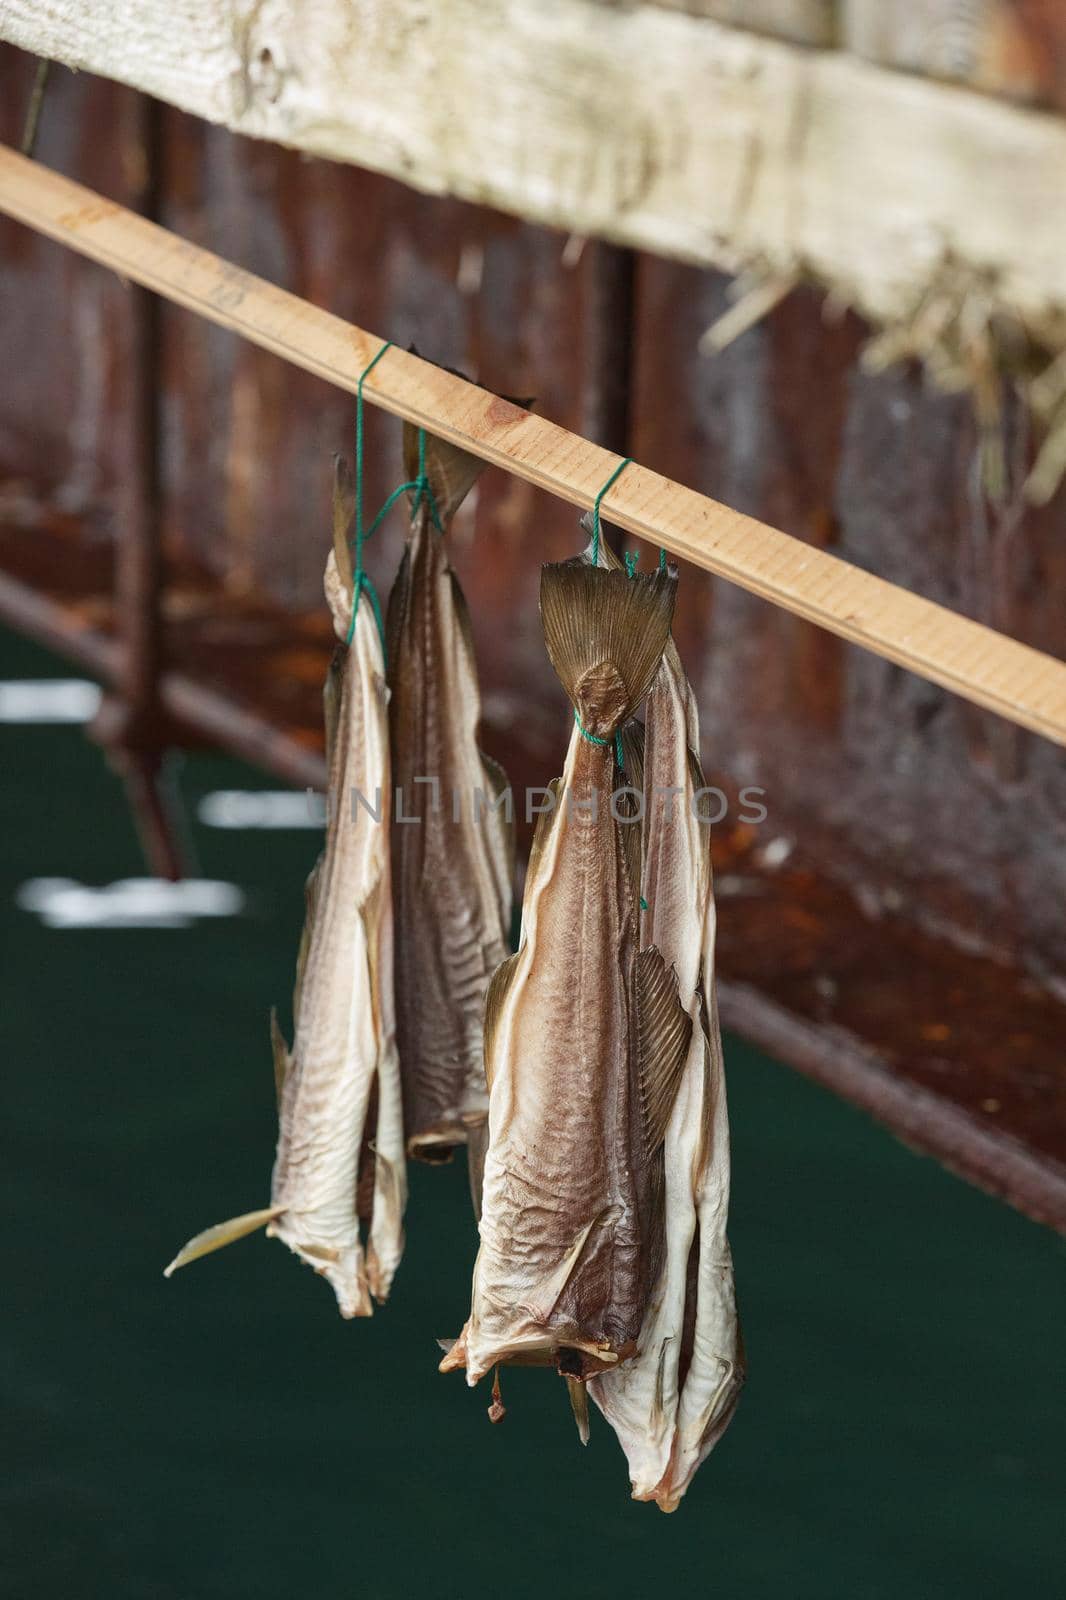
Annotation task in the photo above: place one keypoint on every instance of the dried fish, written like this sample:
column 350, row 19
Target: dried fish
column 340, row 1145
column 584, row 1036
column 453, row 841
column 672, row 1401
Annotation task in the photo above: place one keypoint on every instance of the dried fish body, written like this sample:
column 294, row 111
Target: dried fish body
column 584, row 1036
column 672, row 1401
column 343, row 1065
column 453, row 867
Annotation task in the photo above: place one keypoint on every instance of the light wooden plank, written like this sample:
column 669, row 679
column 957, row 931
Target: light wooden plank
column 802, row 21
column 658, row 129
column 993, row 671
column 988, row 44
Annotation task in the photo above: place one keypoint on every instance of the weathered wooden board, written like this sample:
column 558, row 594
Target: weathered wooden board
column 804, row 21
column 653, row 128
column 989, row 669
column 1015, row 48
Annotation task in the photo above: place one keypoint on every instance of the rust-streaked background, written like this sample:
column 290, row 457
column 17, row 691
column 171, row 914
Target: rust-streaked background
column 895, row 926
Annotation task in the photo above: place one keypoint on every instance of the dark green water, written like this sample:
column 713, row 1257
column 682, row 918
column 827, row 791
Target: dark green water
column 226, row 1435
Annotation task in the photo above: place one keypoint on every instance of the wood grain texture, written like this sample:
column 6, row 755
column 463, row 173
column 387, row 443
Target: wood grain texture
column 803, row 21
column 993, row 671
column 1004, row 47
column 653, row 128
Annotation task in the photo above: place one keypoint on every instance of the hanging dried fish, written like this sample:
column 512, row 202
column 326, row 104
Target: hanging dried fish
column 453, row 840
column 340, row 1145
column 584, row 1035
column 674, row 1399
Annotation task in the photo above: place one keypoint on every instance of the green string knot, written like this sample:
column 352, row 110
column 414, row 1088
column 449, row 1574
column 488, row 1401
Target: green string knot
column 594, row 738
column 360, row 580
column 631, row 556
column 617, row 473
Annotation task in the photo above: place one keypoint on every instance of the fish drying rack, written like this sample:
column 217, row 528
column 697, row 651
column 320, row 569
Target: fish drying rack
column 152, row 698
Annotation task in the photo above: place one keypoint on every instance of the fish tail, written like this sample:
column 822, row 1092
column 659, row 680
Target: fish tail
column 605, row 634
column 221, row 1234
column 451, row 472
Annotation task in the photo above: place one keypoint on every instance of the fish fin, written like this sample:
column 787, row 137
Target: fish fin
column 633, row 753
column 477, row 1146
column 282, row 1054
column 579, row 1405
column 343, row 512
column 705, row 803
column 608, row 558
column 499, row 783
column 452, row 472
column 664, row 1029
column 495, row 1000
column 310, row 904
column 605, row 635
column 497, row 1410
column 396, row 614
column 542, row 832
column 498, row 780
column 331, row 702
column 222, row 1233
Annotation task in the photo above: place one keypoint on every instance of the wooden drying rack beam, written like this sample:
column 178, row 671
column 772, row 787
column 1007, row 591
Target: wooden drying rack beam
column 983, row 666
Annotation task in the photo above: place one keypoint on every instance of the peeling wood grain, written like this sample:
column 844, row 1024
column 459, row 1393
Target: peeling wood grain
column 803, row 21
column 998, row 46
column 637, row 124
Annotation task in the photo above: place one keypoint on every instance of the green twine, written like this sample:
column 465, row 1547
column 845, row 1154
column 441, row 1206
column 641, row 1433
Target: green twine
column 632, row 556
column 617, row 473
column 595, row 739
column 360, row 578
column 422, row 490
column 421, row 485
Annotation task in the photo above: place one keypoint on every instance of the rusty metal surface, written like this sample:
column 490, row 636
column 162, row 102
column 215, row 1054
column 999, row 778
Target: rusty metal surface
column 898, row 789
column 894, row 928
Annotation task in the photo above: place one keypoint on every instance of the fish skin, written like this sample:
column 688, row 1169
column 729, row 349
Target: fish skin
column 343, row 1055
column 452, row 879
column 671, row 1402
column 566, row 1251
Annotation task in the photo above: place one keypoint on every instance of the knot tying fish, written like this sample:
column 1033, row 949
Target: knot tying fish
column 422, row 490
column 632, row 557
column 360, row 579
column 595, row 739
column 615, row 475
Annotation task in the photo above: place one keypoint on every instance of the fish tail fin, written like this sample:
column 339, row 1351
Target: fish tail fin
column 221, row 1234
column 343, row 513
column 606, row 556
column 281, row 1052
column 579, row 1405
column 451, row 472
column 605, row 634
column 664, row 1029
